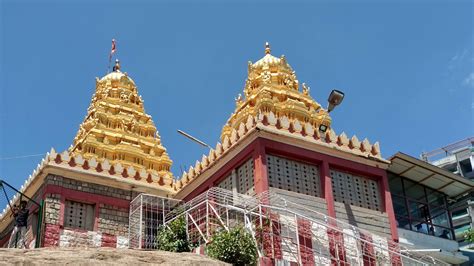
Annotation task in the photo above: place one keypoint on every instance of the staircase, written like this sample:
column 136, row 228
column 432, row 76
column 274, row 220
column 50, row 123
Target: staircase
column 289, row 237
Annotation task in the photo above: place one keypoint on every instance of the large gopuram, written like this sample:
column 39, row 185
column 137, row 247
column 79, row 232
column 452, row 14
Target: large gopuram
column 116, row 128
column 87, row 190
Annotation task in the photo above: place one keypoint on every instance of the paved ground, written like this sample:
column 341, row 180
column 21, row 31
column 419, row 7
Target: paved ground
column 100, row 256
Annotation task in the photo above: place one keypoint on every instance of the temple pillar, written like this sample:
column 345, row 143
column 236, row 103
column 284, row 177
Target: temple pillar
column 260, row 171
column 327, row 188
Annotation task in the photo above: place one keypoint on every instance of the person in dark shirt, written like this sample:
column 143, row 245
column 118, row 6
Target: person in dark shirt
column 21, row 222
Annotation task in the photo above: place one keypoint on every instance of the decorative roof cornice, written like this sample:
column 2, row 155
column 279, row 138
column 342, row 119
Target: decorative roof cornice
column 162, row 180
column 149, row 179
column 289, row 127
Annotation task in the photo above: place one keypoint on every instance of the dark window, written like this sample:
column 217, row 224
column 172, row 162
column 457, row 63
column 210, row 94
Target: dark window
column 435, row 199
column 395, row 183
column 400, row 206
column 440, row 217
column 79, row 215
column 466, row 166
column 414, row 190
column 419, row 208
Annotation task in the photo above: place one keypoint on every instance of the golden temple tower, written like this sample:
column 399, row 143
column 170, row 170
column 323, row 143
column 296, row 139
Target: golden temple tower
column 117, row 128
column 272, row 86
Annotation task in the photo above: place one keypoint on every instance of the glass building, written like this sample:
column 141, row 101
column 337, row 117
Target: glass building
column 420, row 208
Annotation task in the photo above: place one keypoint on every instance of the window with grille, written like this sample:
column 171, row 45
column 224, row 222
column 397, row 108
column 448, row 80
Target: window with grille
column 293, row 176
column 355, row 190
column 226, row 183
column 79, row 215
column 245, row 178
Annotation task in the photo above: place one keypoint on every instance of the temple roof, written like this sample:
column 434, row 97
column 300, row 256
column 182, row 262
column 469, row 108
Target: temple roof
column 272, row 86
column 271, row 61
column 275, row 107
column 117, row 128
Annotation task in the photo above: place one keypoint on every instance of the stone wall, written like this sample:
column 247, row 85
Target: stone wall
column 52, row 208
column 75, row 238
column 52, row 213
column 90, row 188
column 111, row 221
column 374, row 221
column 303, row 204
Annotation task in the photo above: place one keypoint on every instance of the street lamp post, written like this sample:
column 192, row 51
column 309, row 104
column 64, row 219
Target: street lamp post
column 335, row 98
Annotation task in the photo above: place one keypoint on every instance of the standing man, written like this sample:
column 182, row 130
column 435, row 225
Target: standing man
column 21, row 220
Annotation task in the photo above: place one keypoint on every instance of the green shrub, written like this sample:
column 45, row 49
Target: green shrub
column 173, row 237
column 469, row 235
column 236, row 246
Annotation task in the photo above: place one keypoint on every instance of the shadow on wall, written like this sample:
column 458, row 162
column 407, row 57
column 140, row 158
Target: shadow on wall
column 350, row 215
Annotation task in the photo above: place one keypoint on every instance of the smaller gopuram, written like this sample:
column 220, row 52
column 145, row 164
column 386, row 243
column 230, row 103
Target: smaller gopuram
column 272, row 143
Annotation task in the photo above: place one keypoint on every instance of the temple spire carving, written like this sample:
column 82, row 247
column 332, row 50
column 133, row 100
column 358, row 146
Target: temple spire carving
column 272, row 86
column 118, row 129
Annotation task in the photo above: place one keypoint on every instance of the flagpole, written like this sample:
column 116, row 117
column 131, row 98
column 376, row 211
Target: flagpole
column 108, row 66
column 112, row 52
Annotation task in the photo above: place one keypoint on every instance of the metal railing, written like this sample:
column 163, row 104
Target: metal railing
column 286, row 235
column 147, row 213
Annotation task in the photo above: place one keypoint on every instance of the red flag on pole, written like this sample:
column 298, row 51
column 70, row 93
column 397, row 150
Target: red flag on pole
column 112, row 50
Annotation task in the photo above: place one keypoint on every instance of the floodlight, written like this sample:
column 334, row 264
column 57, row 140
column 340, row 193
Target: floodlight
column 335, row 98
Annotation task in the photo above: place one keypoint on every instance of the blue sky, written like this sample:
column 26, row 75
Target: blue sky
column 406, row 68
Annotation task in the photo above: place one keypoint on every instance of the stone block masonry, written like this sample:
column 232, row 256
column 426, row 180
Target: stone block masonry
column 110, row 221
column 75, row 238
column 90, row 188
column 52, row 208
column 113, row 220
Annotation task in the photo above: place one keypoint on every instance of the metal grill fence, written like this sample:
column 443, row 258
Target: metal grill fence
column 147, row 213
column 278, row 231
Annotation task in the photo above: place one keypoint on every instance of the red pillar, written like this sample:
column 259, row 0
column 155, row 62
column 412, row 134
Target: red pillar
column 272, row 231
column 336, row 247
column 388, row 205
column 327, row 188
column 305, row 240
column 269, row 237
column 51, row 235
column 368, row 252
column 260, row 171
column 276, row 231
column 336, row 239
column 395, row 259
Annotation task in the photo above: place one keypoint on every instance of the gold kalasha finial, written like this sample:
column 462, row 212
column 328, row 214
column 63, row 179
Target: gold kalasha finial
column 267, row 48
column 117, row 65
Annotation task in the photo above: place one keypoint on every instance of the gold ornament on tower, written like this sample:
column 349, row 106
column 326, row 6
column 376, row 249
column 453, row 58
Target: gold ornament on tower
column 118, row 129
column 272, row 86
